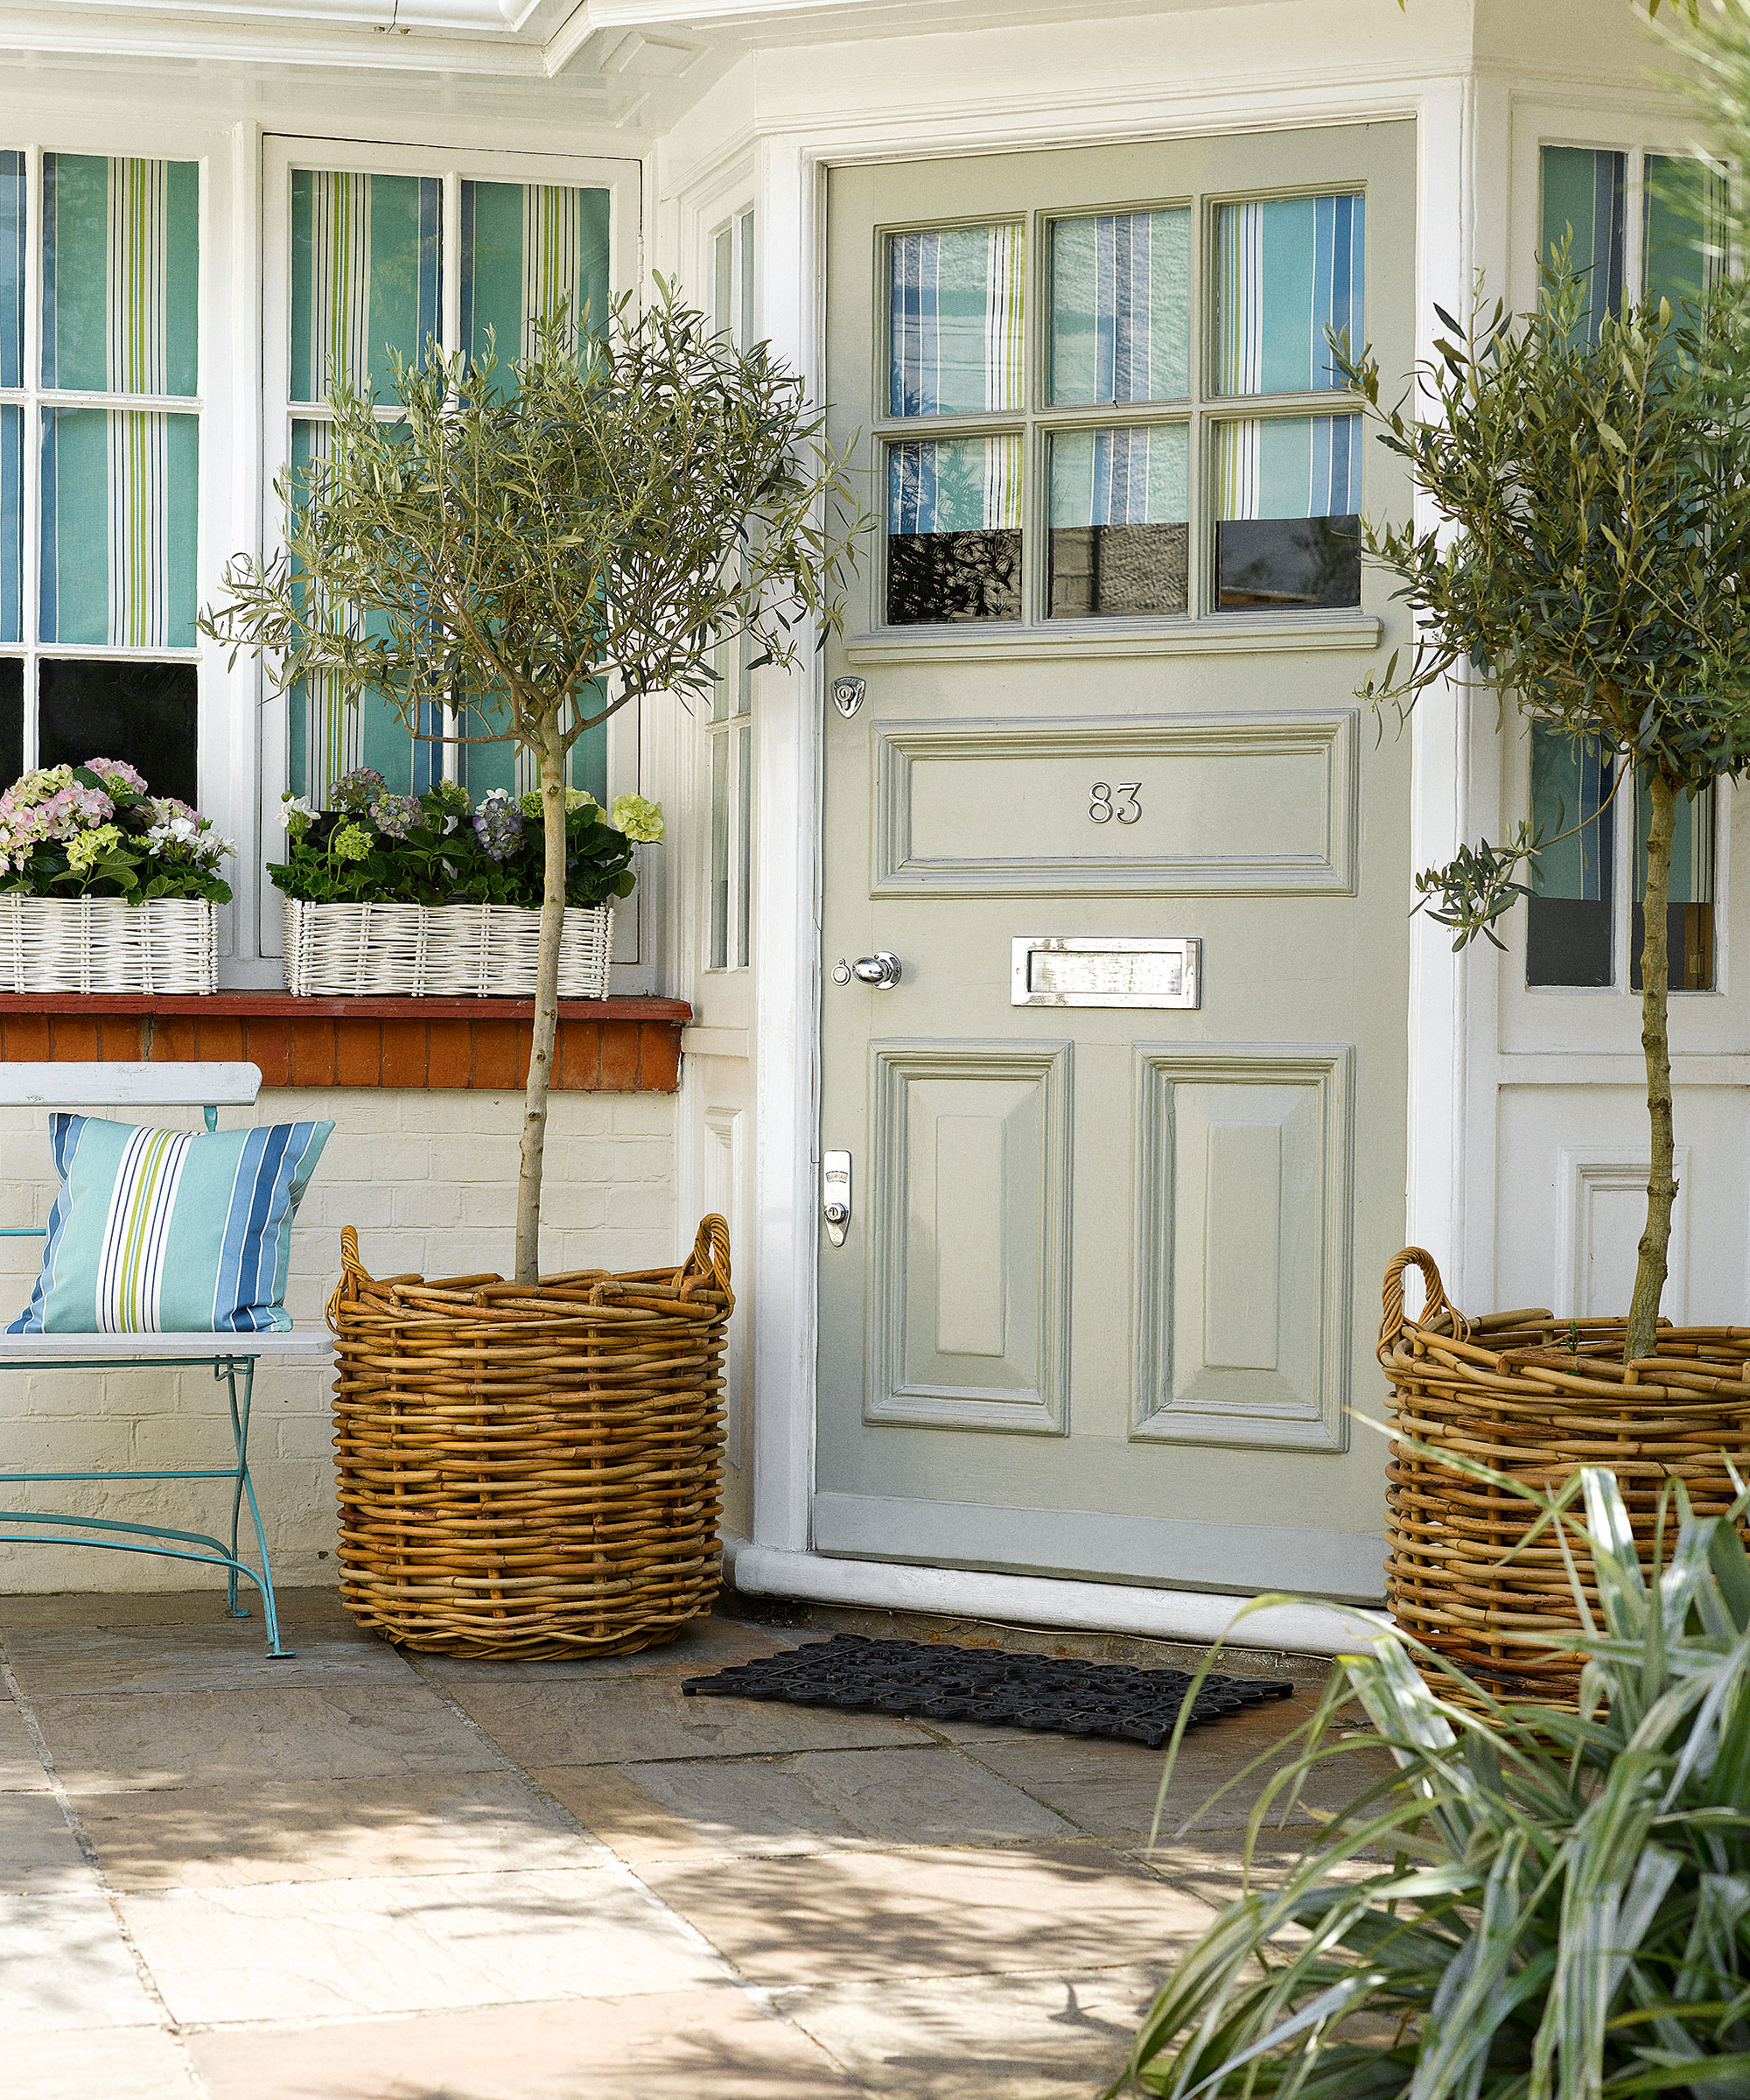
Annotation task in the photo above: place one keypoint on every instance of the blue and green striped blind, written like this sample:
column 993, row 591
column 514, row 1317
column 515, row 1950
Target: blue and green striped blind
column 120, row 485
column 367, row 277
column 531, row 252
column 1682, row 231
column 11, row 375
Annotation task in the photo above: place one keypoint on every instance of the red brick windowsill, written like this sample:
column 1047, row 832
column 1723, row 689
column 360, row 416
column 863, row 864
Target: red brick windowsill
column 605, row 1046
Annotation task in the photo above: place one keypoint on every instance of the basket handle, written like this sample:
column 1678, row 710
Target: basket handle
column 353, row 1272
column 1391, row 1297
column 709, row 1259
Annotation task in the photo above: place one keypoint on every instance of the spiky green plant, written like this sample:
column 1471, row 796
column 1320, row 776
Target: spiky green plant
column 1537, row 1905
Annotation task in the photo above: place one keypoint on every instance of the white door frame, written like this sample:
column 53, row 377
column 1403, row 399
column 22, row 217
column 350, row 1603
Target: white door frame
column 790, row 178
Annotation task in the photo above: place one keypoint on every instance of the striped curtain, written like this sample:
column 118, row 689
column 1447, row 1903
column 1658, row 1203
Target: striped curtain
column 11, row 524
column 1121, row 477
column 1121, row 307
column 1684, row 230
column 1586, row 204
column 954, row 485
column 1287, row 270
column 11, row 270
column 121, row 274
column 120, row 499
column 367, row 259
column 957, row 334
column 1289, row 466
column 531, row 252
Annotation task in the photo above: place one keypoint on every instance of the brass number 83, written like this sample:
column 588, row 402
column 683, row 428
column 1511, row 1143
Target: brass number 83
column 1127, row 809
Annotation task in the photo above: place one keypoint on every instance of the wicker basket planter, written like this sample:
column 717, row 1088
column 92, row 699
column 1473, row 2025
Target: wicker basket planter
column 107, row 944
column 531, row 1471
column 451, row 951
column 1510, row 1391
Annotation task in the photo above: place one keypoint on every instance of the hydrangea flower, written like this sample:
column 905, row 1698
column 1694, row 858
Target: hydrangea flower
column 498, row 824
column 84, row 852
column 74, row 807
column 352, row 841
column 637, row 818
column 38, row 786
column 576, row 798
column 395, row 816
column 353, row 793
column 451, row 795
column 117, row 775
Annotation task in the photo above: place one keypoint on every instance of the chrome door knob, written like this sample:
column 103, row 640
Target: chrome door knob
column 882, row 971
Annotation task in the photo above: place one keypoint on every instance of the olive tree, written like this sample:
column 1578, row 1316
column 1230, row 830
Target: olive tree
column 540, row 548
column 1589, row 561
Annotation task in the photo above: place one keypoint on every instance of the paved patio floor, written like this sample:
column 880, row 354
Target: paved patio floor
column 366, row 1875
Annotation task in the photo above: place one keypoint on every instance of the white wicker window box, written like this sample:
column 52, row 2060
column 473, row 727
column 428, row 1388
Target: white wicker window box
column 107, row 944
column 447, row 950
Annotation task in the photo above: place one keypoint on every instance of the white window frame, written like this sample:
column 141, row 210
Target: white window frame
column 282, row 153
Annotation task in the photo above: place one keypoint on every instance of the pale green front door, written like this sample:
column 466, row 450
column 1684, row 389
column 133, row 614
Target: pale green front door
column 1109, row 1278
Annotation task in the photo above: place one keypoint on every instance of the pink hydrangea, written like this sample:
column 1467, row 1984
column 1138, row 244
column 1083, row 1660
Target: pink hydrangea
column 117, row 775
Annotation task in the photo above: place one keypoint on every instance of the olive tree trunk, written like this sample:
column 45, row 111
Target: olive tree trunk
column 552, row 756
column 1656, row 985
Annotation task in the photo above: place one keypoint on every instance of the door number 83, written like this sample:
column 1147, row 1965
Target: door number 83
column 1123, row 802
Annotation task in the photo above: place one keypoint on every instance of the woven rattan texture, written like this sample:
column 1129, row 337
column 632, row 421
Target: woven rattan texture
column 441, row 951
column 1535, row 1398
column 107, row 944
column 531, row 1471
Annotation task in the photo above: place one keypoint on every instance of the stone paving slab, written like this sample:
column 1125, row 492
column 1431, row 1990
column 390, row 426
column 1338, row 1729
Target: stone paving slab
column 370, row 1875
column 334, row 1950
column 713, row 2045
column 823, row 1800
column 1039, row 2037
column 631, row 1720
column 232, row 1837
column 116, row 1742
column 844, row 1916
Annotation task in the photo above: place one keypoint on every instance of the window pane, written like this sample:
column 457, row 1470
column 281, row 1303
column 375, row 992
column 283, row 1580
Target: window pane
column 954, row 527
column 1121, row 307
column 722, row 287
column 530, row 252
column 1584, row 195
column 1682, row 227
column 11, row 524
column 1689, row 920
column 13, row 720
column 720, row 772
column 119, row 495
column 750, row 322
column 143, row 713
column 11, row 270
column 1287, row 269
column 1288, row 492
column 366, row 276
column 955, row 317
column 1120, row 499
column 121, row 274
column 1571, row 911
column 744, row 833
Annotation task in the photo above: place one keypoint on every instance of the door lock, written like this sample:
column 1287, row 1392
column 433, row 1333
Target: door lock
column 881, row 969
column 835, row 1194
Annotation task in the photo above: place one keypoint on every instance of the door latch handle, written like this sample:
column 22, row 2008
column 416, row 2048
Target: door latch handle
column 835, row 1194
column 881, row 969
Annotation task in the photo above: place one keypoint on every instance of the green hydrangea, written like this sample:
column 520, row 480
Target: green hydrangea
column 451, row 795
column 576, row 798
column 637, row 818
column 87, row 848
column 352, row 841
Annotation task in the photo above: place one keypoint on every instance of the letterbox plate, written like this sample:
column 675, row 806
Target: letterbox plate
column 1071, row 970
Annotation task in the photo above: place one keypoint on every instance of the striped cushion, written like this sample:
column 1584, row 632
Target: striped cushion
column 170, row 1231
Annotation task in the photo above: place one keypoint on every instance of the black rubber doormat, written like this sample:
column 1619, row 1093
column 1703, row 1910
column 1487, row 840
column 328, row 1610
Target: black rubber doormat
column 916, row 1680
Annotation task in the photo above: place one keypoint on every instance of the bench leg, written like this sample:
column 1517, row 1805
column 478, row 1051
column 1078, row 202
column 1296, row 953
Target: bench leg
column 244, row 1486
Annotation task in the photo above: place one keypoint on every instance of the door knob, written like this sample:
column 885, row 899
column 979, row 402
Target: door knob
column 881, row 969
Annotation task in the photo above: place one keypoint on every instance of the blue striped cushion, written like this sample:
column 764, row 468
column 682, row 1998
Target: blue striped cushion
column 185, row 1232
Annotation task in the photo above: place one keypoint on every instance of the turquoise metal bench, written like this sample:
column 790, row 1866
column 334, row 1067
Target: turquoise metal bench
column 231, row 1358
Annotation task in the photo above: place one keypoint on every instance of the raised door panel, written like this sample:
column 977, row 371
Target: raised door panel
column 1243, row 1279
column 969, row 1290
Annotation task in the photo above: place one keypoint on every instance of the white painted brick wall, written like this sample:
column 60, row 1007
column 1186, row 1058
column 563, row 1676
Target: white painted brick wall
column 429, row 1180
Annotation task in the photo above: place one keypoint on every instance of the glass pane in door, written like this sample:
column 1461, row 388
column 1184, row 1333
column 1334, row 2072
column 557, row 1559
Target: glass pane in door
column 1121, row 307
column 1120, row 503
column 955, row 317
column 953, row 529
column 1689, row 918
column 1288, row 498
column 1569, row 914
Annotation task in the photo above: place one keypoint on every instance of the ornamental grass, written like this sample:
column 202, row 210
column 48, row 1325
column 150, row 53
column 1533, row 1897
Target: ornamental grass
column 1534, row 1904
